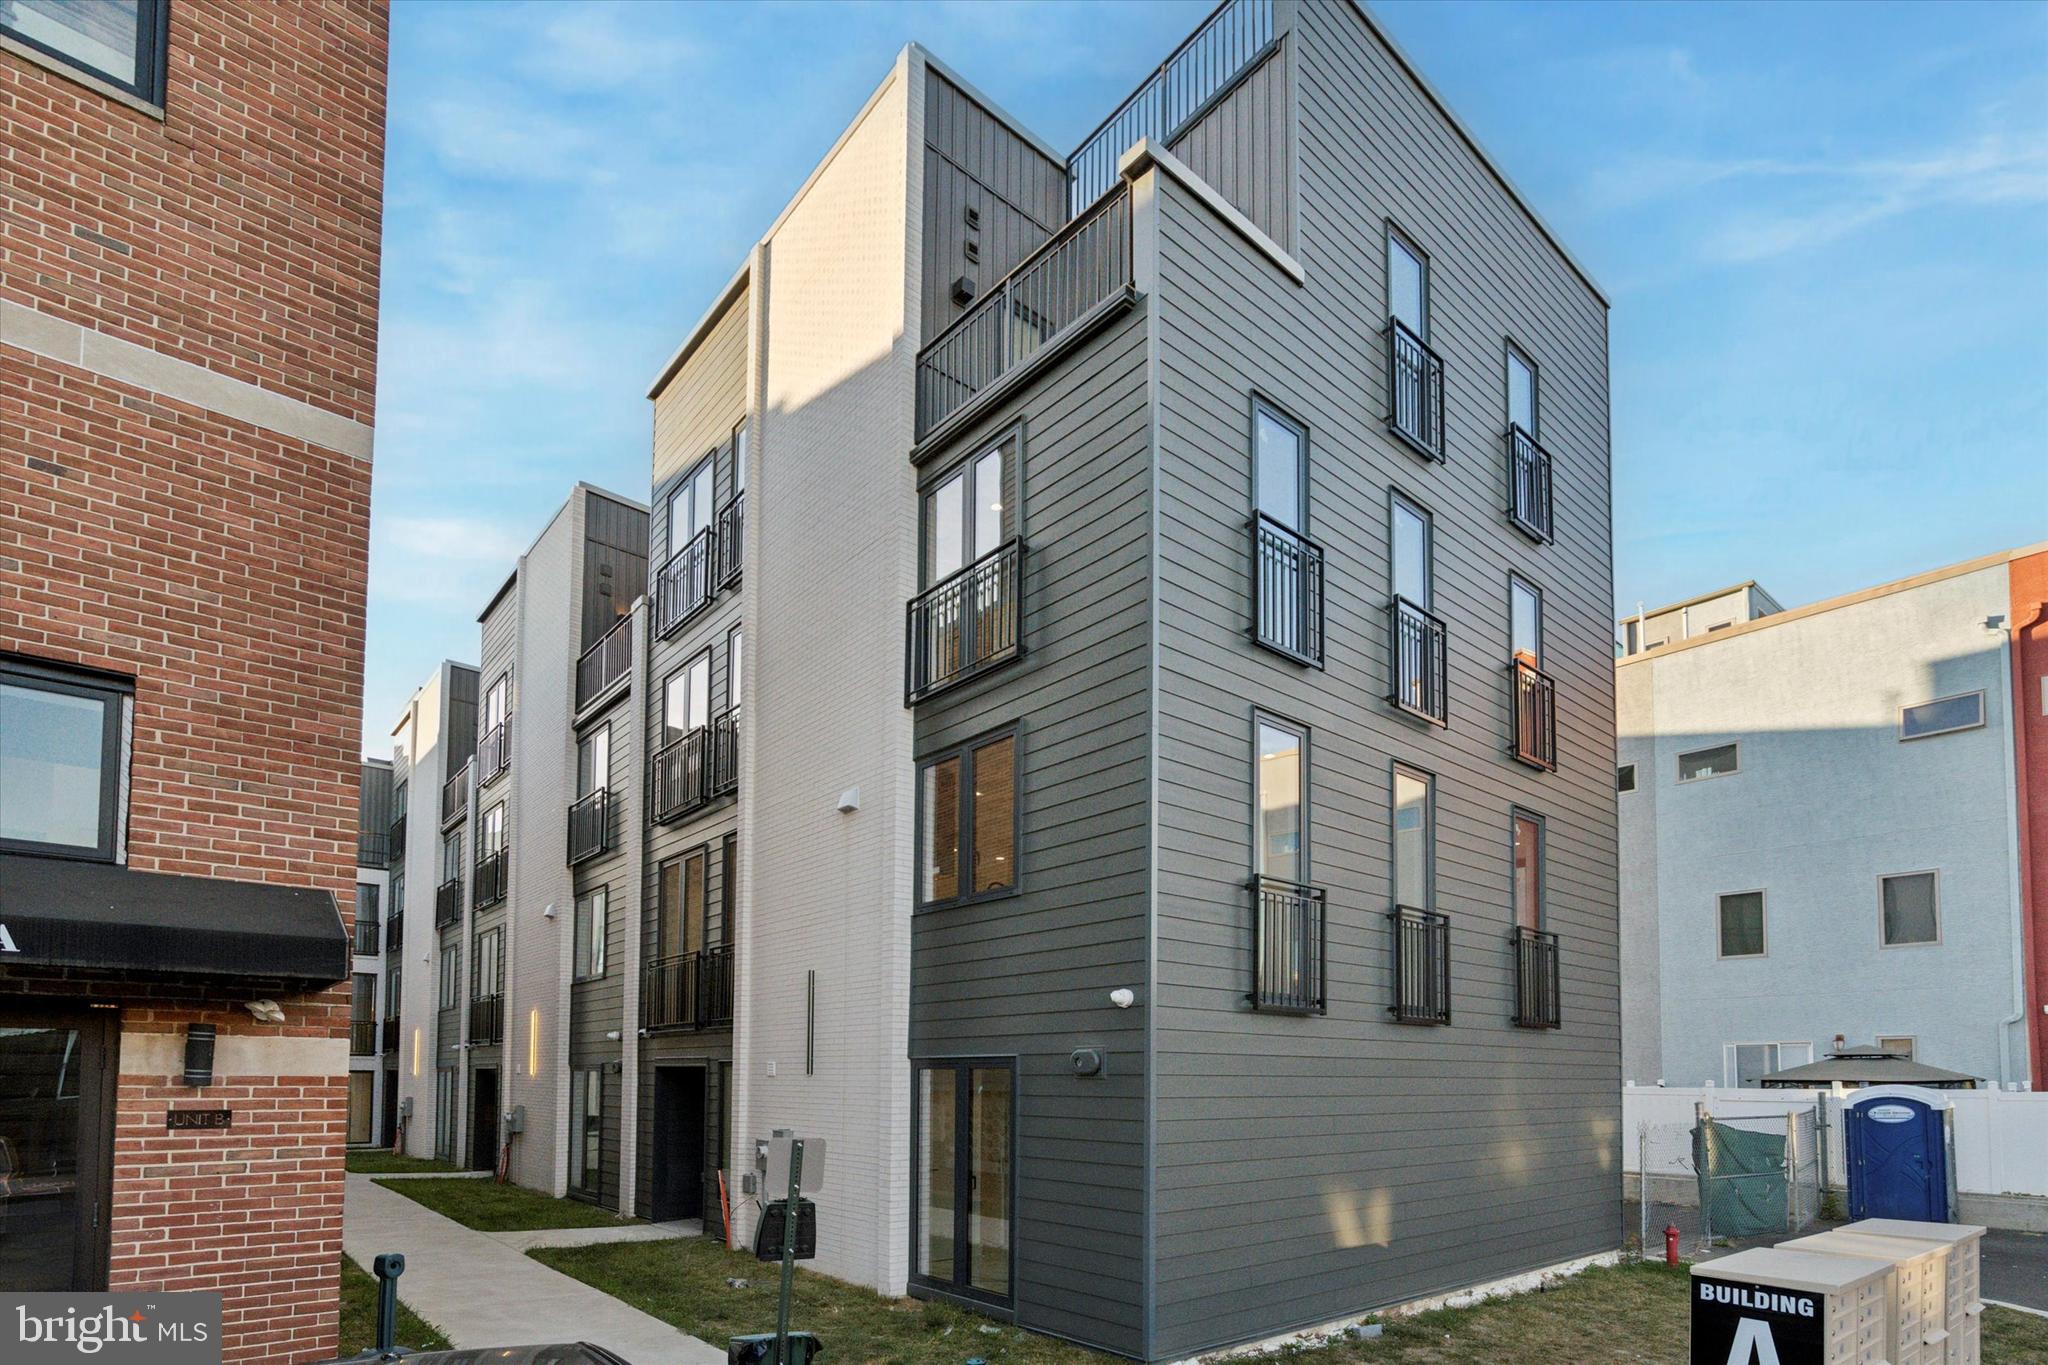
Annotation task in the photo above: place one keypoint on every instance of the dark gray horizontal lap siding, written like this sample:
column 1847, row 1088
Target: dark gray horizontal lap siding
column 1312, row 1168
column 1030, row 976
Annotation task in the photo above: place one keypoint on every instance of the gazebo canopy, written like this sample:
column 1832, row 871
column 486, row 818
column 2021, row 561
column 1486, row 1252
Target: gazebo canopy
column 1860, row 1066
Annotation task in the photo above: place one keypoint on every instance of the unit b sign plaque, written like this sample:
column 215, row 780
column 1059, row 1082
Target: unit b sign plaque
column 1734, row 1323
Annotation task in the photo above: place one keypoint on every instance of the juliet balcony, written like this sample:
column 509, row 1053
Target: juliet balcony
column 493, row 752
column 731, row 526
column 1288, row 974
column 1534, row 698
column 1418, row 660
column 965, row 625
column 687, row 990
column 697, row 769
column 1422, row 966
column 455, row 794
column 448, row 902
column 1536, row 978
column 487, row 1020
column 590, row 826
column 1287, row 591
column 1528, row 486
column 605, row 664
column 490, row 878
column 686, row 584
column 1415, row 391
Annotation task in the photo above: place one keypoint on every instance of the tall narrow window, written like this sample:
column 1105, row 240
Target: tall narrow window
column 448, row 983
column 735, row 666
column 690, row 505
column 1525, row 622
column 1282, row 851
column 594, row 760
column 1413, row 579
column 490, row 964
column 586, row 1130
column 491, row 832
column 728, row 890
column 60, row 759
column 1279, row 471
column 1414, row 839
column 968, row 821
column 497, row 703
column 739, row 456
column 966, row 515
column 1528, row 857
column 1521, row 392
column 1912, row 913
column 686, row 698
column 591, row 931
column 680, row 897
column 1407, row 285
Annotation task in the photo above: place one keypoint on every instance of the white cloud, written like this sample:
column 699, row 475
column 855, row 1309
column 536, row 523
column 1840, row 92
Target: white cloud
column 467, row 540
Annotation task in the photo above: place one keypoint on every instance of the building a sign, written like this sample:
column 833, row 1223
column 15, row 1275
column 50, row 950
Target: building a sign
column 1755, row 1324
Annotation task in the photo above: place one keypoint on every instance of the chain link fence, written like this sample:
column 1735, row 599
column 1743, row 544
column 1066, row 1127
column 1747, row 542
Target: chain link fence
column 1732, row 1174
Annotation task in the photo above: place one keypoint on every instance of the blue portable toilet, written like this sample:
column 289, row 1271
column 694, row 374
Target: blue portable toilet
column 1898, row 1154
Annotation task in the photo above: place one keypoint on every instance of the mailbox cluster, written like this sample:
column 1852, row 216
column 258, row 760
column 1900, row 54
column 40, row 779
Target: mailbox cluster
column 1885, row 1291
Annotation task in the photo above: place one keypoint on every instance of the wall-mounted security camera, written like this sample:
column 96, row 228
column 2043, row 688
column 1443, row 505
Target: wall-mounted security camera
column 1123, row 997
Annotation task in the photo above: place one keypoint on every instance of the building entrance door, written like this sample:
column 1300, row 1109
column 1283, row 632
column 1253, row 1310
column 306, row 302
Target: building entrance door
column 56, row 1148
column 678, row 1142
column 483, row 1127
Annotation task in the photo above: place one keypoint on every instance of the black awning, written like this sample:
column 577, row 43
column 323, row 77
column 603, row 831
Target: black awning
column 61, row 913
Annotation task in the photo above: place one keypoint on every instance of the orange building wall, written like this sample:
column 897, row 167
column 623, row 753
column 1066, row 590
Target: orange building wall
column 2030, row 734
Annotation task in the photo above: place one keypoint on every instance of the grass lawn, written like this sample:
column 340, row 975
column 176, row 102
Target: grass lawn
column 1623, row 1313
column 359, row 1315
column 378, row 1161
column 488, row 1206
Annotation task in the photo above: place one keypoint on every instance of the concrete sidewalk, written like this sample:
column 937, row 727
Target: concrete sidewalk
column 483, row 1290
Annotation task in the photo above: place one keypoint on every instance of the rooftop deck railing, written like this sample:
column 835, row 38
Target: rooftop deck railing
column 1230, row 42
column 1083, row 266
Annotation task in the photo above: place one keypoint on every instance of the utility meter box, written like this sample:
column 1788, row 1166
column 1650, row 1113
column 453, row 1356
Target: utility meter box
column 1917, row 1333
column 1964, row 1298
column 1794, row 1307
column 776, row 1153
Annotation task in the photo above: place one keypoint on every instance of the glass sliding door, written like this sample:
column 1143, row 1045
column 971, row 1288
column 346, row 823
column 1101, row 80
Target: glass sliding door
column 56, row 1113
column 966, row 1187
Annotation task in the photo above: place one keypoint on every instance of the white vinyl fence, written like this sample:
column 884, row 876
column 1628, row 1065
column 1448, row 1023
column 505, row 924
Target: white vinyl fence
column 2001, row 1136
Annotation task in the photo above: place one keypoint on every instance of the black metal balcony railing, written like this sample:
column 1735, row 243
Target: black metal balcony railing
column 362, row 1037
column 1422, row 966
column 390, row 1030
column 732, row 540
column 685, row 584
column 1536, row 994
column 1287, row 591
column 1228, row 44
column 368, row 931
column 1528, row 485
column 448, row 902
column 1418, row 659
column 490, row 878
column 605, row 663
column 455, row 794
column 373, row 849
column 487, row 1019
column 493, row 752
column 590, row 825
column 722, row 775
column 394, row 931
column 1082, row 267
column 966, row 624
column 1415, row 391
column 1535, row 703
column 398, row 840
column 1287, row 947
column 688, row 990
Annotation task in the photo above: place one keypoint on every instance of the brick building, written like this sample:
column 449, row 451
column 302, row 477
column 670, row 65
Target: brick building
column 190, row 204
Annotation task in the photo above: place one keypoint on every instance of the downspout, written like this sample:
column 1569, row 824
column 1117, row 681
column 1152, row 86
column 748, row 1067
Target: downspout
column 2015, row 821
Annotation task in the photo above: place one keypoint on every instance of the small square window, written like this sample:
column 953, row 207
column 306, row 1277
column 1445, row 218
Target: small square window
column 1742, row 924
column 1718, row 761
column 1625, row 778
column 60, row 760
column 1942, row 716
column 968, row 822
column 1911, row 906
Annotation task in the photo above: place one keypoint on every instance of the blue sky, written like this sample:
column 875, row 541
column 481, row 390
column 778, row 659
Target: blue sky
column 1823, row 229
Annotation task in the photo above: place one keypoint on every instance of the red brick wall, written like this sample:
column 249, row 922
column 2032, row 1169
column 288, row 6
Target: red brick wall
column 240, row 231
column 221, row 565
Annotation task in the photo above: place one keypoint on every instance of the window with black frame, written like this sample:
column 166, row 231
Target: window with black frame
column 1287, row 567
column 121, row 42
column 592, row 929
column 968, row 822
column 963, row 1163
column 61, row 780
column 969, row 615
column 586, row 1131
column 1422, row 942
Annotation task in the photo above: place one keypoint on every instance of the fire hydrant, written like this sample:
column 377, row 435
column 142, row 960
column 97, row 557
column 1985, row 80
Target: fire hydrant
column 1671, row 1244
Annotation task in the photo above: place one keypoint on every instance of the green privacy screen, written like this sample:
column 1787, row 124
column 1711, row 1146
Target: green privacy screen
column 1742, row 1180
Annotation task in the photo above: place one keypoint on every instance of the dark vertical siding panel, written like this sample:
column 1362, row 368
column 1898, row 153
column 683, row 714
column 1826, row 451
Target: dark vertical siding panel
column 1312, row 1168
column 1030, row 976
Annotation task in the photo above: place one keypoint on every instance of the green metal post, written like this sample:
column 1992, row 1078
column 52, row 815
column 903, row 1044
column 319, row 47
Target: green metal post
column 790, row 1222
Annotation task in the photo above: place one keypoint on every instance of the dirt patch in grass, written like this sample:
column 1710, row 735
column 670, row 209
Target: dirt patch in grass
column 684, row 1283
column 376, row 1161
column 488, row 1206
column 359, row 1316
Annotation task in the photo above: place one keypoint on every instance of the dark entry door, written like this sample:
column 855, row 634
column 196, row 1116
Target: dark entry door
column 678, row 1142
column 483, row 1128
column 388, row 1131
column 56, row 1117
column 1898, row 1160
